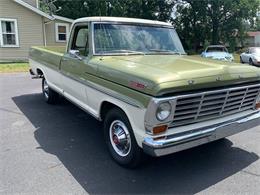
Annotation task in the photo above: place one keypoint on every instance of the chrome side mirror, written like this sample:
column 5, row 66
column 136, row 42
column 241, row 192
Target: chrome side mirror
column 75, row 54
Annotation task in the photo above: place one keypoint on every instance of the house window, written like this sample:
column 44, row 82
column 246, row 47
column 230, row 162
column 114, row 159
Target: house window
column 8, row 33
column 62, row 31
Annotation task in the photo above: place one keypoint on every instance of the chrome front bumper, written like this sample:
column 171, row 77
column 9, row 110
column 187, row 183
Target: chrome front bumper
column 196, row 137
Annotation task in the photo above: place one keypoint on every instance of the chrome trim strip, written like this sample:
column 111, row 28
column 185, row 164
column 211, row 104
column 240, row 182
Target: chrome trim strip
column 81, row 107
column 103, row 90
column 198, row 111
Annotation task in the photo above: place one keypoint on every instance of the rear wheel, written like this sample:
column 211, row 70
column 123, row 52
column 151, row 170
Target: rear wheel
column 50, row 96
column 120, row 139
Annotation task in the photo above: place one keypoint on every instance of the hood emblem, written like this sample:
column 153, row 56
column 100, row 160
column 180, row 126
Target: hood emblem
column 190, row 82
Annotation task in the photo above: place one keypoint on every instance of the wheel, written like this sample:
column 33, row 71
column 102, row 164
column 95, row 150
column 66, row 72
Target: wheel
column 120, row 139
column 241, row 61
column 50, row 96
column 251, row 62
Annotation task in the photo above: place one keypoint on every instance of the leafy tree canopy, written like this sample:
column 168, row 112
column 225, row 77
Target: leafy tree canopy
column 198, row 22
column 216, row 21
column 149, row 9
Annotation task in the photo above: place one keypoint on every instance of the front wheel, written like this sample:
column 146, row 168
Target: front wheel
column 50, row 96
column 120, row 139
column 251, row 62
column 241, row 60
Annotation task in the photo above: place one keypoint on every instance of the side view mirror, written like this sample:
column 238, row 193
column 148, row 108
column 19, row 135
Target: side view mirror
column 75, row 54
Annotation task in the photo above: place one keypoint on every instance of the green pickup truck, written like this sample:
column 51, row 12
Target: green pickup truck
column 135, row 76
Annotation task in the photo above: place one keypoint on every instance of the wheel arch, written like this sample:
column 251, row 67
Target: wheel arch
column 39, row 72
column 105, row 107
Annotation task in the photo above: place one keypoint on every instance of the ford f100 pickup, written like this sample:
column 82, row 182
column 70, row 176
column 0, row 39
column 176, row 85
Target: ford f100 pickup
column 135, row 76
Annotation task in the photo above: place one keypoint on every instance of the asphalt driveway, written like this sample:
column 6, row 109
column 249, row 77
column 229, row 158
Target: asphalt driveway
column 59, row 149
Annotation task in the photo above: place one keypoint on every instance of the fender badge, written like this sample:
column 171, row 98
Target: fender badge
column 218, row 79
column 137, row 85
column 190, row 82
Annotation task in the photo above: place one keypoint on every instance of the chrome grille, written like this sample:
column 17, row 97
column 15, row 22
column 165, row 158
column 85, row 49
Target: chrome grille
column 212, row 104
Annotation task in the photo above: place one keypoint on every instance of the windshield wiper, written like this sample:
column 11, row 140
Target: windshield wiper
column 165, row 51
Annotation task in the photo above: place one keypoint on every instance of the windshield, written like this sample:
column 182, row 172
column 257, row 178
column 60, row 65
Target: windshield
column 256, row 50
column 135, row 39
column 216, row 49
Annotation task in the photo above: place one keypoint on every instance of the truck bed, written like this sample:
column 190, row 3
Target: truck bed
column 48, row 56
column 55, row 49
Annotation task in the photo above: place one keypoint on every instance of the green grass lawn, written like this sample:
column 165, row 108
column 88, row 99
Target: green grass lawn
column 13, row 67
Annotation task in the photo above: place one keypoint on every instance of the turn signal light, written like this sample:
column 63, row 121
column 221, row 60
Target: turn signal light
column 257, row 106
column 160, row 129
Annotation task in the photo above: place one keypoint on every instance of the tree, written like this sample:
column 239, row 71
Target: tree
column 148, row 9
column 198, row 22
column 220, row 21
column 191, row 23
column 48, row 6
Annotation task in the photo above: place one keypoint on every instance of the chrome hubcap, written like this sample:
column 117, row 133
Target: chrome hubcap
column 120, row 138
column 45, row 89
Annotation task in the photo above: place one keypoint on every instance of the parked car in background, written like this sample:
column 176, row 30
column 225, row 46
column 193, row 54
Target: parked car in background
column 251, row 56
column 217, row 52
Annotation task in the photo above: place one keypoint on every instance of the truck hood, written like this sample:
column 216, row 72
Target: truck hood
column 159, row 75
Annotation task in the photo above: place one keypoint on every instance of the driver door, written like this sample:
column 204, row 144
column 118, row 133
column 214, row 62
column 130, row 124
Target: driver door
column 74, row 65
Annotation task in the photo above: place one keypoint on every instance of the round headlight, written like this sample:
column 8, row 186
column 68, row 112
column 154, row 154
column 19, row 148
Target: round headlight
column 163, row 111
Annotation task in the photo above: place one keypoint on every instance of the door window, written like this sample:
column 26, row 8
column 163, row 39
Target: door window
column 80, row 40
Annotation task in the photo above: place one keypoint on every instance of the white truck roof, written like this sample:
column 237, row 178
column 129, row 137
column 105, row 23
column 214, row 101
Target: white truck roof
column 121, row 19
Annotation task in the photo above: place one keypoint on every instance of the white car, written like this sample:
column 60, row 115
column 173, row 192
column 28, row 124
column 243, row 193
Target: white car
column 217, row 52
column 251, row 56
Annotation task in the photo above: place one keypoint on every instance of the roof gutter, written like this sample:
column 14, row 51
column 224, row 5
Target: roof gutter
column 34, row 9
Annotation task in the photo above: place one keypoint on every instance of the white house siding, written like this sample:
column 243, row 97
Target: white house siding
column 30, row 30
column 32, row 2
column 257, row 40
column 50, row 33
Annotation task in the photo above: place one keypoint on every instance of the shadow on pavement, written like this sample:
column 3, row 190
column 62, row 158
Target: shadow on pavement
column 77, row 140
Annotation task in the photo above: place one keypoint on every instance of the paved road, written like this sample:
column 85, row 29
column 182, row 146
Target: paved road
column 59, row 149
